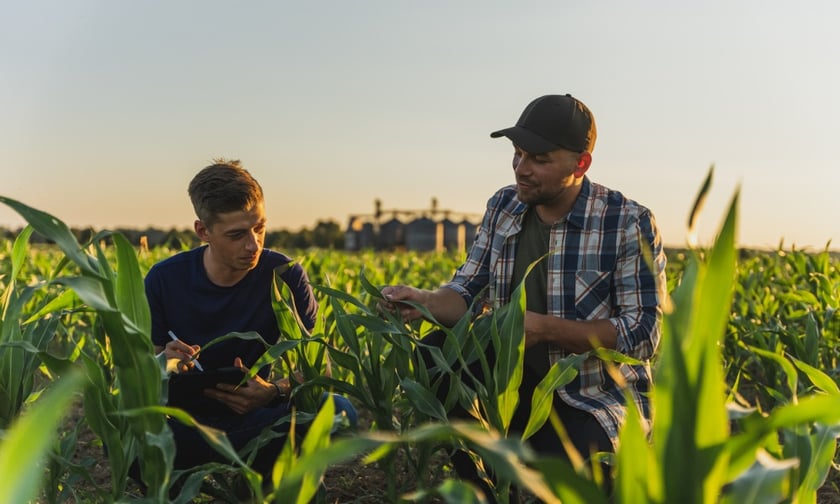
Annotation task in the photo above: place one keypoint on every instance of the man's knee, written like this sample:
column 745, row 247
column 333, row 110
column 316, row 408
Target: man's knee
column 344, row 407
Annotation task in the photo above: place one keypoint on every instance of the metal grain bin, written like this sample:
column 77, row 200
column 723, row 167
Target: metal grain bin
column 470, row 230
column 351, row 234
column 420, row 234
column 452, row 235
column 360, row 234
column 367, row 237
column 392, row 234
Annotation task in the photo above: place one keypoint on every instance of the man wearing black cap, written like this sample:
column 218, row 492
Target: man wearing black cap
column 593, row 284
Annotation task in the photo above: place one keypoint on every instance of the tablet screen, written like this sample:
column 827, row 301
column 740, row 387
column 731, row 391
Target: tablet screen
column 185, row 389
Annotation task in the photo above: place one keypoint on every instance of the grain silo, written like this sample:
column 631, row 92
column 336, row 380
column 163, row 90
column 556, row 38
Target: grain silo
column 420, row 234
column 392, row 234
column 470, row 230
column 367, row 238
column 351, row 234
column 360, row 234
column 450, row 235
column 431, row 229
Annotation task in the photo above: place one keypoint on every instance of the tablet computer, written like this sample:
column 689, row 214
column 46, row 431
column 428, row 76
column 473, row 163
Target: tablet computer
column 186, row 389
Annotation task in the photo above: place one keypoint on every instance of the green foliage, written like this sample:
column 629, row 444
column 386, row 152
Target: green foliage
column 24, row 446
column 746, row 400
column 694, row 456
column 121, row 340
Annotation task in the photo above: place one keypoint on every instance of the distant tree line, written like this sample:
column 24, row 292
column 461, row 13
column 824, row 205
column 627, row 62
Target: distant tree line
column 325, row 234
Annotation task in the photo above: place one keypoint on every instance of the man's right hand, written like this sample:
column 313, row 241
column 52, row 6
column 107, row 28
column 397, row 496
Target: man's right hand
column 182, row 352
column 395, row 294
column 445, row 305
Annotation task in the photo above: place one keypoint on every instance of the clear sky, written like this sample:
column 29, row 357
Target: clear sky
column 109, row 108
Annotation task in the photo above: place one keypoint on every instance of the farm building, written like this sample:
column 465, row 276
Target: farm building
column 426, row 230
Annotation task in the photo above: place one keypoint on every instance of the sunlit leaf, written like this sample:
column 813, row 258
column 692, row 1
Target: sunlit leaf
column 24, row 445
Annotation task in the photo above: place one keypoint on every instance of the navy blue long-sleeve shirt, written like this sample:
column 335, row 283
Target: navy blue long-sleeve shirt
column 182, row 299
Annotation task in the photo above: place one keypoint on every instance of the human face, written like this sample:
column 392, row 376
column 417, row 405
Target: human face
column 235, row 241
column 550, row 181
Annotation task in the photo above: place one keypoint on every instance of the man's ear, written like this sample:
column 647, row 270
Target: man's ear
column 201, row 230
column 583, row 163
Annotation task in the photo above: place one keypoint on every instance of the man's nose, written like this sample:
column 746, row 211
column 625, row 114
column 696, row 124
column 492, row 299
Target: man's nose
column 520, row 165
column 253, row 241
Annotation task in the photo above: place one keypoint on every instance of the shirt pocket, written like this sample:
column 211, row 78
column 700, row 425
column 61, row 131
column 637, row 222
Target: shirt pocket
column 592, row 294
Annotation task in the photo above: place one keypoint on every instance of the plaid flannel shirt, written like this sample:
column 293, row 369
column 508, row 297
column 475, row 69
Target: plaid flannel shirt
column 596, row 270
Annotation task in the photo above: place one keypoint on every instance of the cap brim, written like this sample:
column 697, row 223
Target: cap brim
column 528, row 141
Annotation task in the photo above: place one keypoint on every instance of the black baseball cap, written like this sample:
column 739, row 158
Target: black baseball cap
column 553, row 122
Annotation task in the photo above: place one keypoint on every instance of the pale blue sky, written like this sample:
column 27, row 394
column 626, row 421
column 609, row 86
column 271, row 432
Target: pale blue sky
column 110, row 107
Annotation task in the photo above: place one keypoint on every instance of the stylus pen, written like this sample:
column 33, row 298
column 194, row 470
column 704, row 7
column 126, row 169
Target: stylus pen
column 197, row 364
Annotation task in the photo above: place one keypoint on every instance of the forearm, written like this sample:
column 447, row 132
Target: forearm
column 447, row 306
column 444, row 304
column 575, row 336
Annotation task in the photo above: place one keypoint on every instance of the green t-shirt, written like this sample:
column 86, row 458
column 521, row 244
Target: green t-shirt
column 532, row 244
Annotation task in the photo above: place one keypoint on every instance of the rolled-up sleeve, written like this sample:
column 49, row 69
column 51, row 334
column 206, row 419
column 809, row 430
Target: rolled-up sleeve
column 639, row 283
column 471, row 279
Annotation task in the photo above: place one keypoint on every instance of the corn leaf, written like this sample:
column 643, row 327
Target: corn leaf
column 55, row 230
column 27, row 441
column 766, row 481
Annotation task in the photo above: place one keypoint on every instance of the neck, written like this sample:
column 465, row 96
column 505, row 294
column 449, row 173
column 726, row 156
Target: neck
column 220, row 274
column 554, row 211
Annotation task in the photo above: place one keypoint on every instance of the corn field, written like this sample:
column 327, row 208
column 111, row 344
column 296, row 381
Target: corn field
column 746, row 398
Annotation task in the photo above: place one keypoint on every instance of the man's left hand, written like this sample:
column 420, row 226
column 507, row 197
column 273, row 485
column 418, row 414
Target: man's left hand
column 255, row 393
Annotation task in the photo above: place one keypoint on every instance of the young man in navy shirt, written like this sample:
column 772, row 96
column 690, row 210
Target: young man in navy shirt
column 225, row 286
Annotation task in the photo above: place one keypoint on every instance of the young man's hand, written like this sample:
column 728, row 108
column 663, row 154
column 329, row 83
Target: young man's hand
column 180, row 351
column 255, row 393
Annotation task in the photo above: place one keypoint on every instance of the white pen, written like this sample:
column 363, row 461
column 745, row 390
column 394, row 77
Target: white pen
column 197, row 364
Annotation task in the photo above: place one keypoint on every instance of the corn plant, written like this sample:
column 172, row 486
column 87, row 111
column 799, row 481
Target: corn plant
column 19, row 345
column 745, row 400
column 786, row 303
column 24, row 446
column 121, row 368
column 694, row 456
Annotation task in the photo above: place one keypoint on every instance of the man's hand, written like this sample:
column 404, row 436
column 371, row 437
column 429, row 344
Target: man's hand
column 181, row 352
column 255, row 393
column 445, row 305
column 574, row 336
column 395, row 294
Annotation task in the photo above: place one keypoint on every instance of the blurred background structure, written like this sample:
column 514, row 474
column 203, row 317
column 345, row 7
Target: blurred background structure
column 424, row 230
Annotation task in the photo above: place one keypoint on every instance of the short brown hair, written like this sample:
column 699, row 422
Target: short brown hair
column 223, row 187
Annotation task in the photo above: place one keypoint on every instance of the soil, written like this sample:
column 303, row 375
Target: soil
column 350, row 482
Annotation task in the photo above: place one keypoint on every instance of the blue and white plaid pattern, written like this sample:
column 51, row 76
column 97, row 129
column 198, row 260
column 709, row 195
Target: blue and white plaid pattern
column 596, row 270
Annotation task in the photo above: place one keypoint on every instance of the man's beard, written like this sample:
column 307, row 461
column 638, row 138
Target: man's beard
column 532, row 197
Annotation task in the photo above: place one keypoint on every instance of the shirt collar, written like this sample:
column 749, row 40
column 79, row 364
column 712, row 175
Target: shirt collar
column 577, row 216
